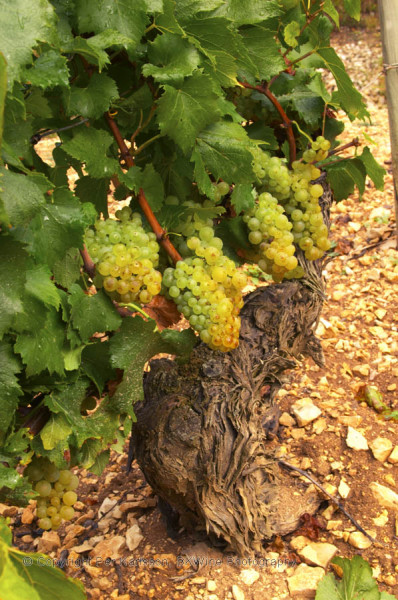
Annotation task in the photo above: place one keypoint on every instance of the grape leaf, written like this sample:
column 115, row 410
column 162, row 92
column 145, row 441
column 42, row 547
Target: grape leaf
column 172, row 58
column 56, row 429
column 66, row 270
column 184, row 111
column 353, row 7
column 92, row 314
column 126, row 17
column 357, row 582
column 91, row 101
column 41, row 347
column 20, row 196
column 152, row 185
column 265, row 58
column 201, row 176
column 48, row 71
column 329, row 9
column 242, row 197
column 60, row 226
column 290, row 33
column 22, row 24
column 90, row 145
column 344, row 176
column 93, row 190
column 10, row 390
column 373, row 169
column 188, row 9
column 250, row 11
column 96, row 364
column 12, row 276
column 40, row 286
column 3, row 92
column 225, row 150
column 14, row 489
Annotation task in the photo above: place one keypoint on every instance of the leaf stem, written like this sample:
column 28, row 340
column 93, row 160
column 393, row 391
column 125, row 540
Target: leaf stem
column 355, row 142
column 147, row 143
column 161, row 234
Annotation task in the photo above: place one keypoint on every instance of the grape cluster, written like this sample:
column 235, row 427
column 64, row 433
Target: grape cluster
column 56, row 489
column 288, row 213
column 126, row 257
column 207, row 288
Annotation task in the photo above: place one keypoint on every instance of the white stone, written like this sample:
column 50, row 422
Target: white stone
column 237, row 593
column 304, row 581
column 299, row 542
column 305, row 411
column 386, row 497
column 356, row 440
column 381, row 448
column 393, row 458
column 211, row 586
column 318, row 553
column 133, row 537
column 106, row 508
column 48, row 542
column 286, row 420
column 359, row 540
column 344, row 489
column 249, row 576
column 109, row 548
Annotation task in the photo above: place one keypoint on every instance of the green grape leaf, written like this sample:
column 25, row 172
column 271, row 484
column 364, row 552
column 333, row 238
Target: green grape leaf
column 14, row 489
column 329, row 9
column 48, row 71
column 31, row 575
column 100, row 462
column 129, row 19
column 251, row 11
column 12, row 275
column 91, row 101
column 263, row 52
column 242, row 197
column 131, row 347
column 344, row 176
column 349, row 97
column 225, row 150
column 90, row 145
column 95, row 191
column 96, row 364
column 22, row 24
column 92, row 314
column 40, row 286
column 185, row 10
column 357, row 582
column 10, row 390
column 56, row 429
column 184, row 111
column 291, row 32
column 172, row 58
column 66, row 270
column 353, row 7
column 3, row 92
column 20, row 197
column 373, row 169
column 152, row 184
column 41, row 347
column 60, row 226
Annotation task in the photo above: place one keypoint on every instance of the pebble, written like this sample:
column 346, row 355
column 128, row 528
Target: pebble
column 381, row 448
column 318, row 553
column 359, row 540
column 106, row 507
column 85, row 547
column 304, row 581
column 249, row 576
column 286, row 420
column 334, row 524
column 344, row 489
column 381, row 519
column 211, row 586
column 299, row 542
column 109, row 548
column 8, row 511
column 133, row 537
column 393, row 458
column 386, row 497
column 305, row 411
column 363, row 370
column 28, row 514
column 48, row 542
column 237, row 593
column 356, row 440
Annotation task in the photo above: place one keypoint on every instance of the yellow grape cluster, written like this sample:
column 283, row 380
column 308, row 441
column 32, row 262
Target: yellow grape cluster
column 56, row 489
column 125, row 256
column 207, row 289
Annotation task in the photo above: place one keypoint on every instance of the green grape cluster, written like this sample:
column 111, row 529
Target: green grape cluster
column 125, row 256
column 297, row 216
column 221, row 189
column 207, row 288
column 56, row 489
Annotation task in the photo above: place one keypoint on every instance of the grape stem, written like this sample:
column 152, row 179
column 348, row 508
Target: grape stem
column 355, row 142
column 287, row 123
column 161, row 234
column 88, row 263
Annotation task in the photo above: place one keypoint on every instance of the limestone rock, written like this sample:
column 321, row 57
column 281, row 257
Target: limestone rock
column 249, row 576
column 386, row 497
column 286, row 420
column 8, row 511
column 28, row 515
column 359, row 540
column 344, row 489
column 381, row 519
column 133, row 537
column 318, row 553
column 106, row 508
column 48, row 542
column 304, row 581
column 393, row 458
column 85, row 547
column 356, row 440
column 299, row 542
column 237, row 593
column 305, row 411
column 381, row 448
column 110, row 548
column 211, row 585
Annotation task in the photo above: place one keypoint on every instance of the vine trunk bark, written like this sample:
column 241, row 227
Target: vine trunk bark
column 205, row 432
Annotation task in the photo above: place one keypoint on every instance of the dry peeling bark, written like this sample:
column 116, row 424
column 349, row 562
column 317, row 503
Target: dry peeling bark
column 202, row 436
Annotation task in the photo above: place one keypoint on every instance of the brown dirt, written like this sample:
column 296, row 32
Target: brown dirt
column 358, row 329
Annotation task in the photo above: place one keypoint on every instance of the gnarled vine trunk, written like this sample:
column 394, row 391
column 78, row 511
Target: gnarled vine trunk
column 202, row 436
